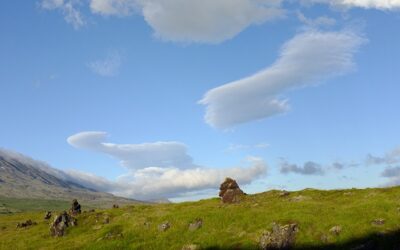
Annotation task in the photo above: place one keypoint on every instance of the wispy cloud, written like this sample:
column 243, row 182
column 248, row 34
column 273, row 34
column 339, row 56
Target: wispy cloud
column 305, row 60
column 236, row 147
column 392, row 157
column 322, row 21
column 108, row 66
column 71, row 13
column 367, row 4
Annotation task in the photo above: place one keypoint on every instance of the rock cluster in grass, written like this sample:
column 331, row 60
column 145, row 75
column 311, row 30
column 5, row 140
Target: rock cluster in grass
column 230, row 191
column 60, row 224
column 27, row 223
column 281, row 237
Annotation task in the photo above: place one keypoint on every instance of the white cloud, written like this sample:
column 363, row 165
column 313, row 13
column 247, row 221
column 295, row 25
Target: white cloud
column 157, row 170
column 135, row 156
column 367, row 4
column 68, row 7
column 206, row 21
column 108, row 66
column 305, row 60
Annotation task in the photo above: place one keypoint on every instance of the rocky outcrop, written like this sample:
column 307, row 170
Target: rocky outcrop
column 60, row 224
column 281, row 237
column 75, row 208
column 230, row 191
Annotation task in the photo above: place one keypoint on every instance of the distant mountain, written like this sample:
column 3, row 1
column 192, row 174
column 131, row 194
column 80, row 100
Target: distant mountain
column 24, row 177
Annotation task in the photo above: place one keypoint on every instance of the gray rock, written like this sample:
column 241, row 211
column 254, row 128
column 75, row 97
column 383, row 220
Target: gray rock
column 164, row 226
column 281, row 237
column 378, row 222
column 47, row 215
column 336, row 230
column 230, row 191
column 60, row 224
column 198, row 223
column 27, row 223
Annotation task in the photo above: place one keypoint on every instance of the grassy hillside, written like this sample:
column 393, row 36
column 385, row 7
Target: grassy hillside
column 237, row 226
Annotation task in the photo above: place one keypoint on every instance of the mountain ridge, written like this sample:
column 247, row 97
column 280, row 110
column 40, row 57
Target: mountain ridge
column 24, row 177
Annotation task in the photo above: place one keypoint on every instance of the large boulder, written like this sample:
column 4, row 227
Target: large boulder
column 230, row 191
column 281, row 237
column 60, row 224
column 75, row 208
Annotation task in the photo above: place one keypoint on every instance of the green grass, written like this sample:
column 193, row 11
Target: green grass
column 236, row 226
column 15, row 205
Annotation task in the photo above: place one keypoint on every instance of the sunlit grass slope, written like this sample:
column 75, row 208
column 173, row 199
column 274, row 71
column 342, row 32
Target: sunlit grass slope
column 236, row 226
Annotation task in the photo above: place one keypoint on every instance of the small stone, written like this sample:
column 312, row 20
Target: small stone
column 336, row 230
column 47, row 215
column 284, row 193
column 299, row 198
column 378, row 222
column 191, row 247
column 91, row 211
column 164, row 226
column 115, row 206
column 197, row 224
column 97, row 227
column 106, row 220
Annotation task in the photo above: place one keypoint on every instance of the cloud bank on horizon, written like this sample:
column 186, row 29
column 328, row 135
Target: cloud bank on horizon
column 156, row 170
column 305, row 60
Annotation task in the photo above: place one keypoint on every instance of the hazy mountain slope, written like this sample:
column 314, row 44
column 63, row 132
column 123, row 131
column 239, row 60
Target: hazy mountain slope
column 23, row 177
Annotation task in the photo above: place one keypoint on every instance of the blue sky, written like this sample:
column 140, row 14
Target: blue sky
column 279, row 94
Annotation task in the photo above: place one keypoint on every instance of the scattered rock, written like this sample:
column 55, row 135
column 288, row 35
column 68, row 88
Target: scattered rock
column 347, row 193
column 47, row 215
column 281, row 237
column 197, row 224
column 324, row 238
column 110, row 236
column 164, row 226
column 284, row 193
column 27, row 223
column 115, row 206
column 146, row 224
column 378, row 222
column 106, row 220
column 336, row 230
column 191, row 247
column 97, row 227
column 230, row 191
column 60, row 223
column 299, row 198
column 91, row 210
column 76, row 207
